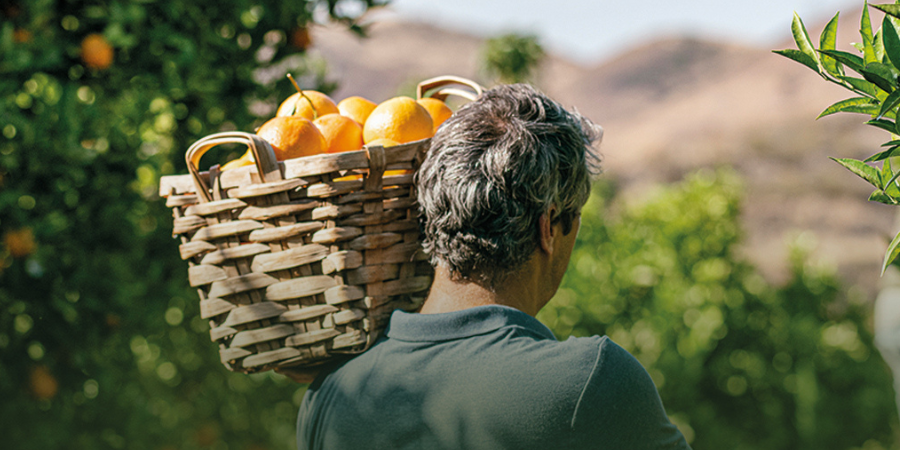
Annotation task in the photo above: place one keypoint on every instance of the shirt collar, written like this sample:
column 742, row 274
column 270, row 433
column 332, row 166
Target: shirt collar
column 460, row 324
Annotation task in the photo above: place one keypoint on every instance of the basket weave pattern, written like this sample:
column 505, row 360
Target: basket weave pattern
column 292, row 266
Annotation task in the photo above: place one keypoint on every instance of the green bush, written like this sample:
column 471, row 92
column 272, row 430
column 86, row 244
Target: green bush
column 739, row 363
column 100, row 344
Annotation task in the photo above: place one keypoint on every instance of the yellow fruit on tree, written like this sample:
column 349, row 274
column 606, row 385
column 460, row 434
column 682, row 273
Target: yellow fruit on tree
column 96, row 51
column 438, row 110
column 43, row 384
column 298, row 105
column 341, row 133
column 19, row 243
column 292, row 137
column 400, row 119
column 300, row 38
column 356, row 108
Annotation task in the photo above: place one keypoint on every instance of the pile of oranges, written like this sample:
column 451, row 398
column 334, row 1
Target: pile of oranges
column 310, row 123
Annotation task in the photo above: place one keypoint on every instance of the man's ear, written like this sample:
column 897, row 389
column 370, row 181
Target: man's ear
column 546, row 231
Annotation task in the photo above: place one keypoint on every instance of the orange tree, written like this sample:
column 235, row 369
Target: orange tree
column 740, row 363
column 100, row 344
column 873, row 76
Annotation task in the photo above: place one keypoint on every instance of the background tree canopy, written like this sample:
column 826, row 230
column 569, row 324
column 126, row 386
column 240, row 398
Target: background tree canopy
column 101, row 344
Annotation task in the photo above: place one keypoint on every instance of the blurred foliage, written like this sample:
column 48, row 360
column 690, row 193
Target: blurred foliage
column 740, row 363
column 512, row 58
column 876, row 90
column 100, row 341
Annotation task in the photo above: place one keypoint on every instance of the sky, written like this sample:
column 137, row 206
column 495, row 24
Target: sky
column 590, row 31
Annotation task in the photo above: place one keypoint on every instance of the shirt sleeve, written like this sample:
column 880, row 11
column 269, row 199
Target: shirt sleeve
column 620, row 407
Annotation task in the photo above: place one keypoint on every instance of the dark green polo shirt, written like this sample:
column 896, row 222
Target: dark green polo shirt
column 490, row 377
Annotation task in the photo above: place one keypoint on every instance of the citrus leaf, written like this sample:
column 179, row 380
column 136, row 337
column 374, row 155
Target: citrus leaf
column 804, row 44
column 891, row 10
column 861, row 85
column 828, row 41
column 887, row 174
column 890, row 182
column 881, row 75
column 891, row 254
column 891, row 41
column 879, row 196
column 891, row 143
column 884, row 155
column 861, row 169
column 853, row 61
column 800, row 57
column 843, row 105
column 869, row 110
column 878, row 44
column 865, row 30
column 889, row 103
column 885, row 125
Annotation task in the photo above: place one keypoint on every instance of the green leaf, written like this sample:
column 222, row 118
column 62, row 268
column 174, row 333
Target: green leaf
column 800, row 57
column 871, row 110
column 865, row 30
column 846, row 105
column 891, row 143
column 885, row 125
column 891, row 41
column 881, row 75
column 879, row 196
column 853, row 61
column 889, row 103
column 879, row 47
column 804, row 44
column 861, row 169
column 891, row 254
column 861, row 85
column 890, row 182
column 887, row 174
column 884, row 155
column 891, row 10
column 828, row 41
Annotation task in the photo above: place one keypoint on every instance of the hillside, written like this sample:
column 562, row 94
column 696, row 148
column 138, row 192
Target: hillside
column 673, row 106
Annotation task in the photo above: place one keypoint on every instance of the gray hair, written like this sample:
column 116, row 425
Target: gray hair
column 493, row 169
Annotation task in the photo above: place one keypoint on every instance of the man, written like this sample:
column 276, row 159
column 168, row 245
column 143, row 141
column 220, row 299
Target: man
column 500, row 192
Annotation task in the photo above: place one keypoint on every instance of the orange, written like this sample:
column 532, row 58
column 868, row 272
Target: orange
column 96, row 52
column 438, row 110
column 292, row 137
column 356, row 108
column 43, row 384
column 341, row 133
column 300, row 38
column 20, row 243
column 22, row 35
column 245, row 160
column 400, row 119
column 297, row 105
column 384, row 142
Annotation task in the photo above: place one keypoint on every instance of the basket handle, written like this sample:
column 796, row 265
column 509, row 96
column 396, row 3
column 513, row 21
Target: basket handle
column 263, row 156
column 446, row 80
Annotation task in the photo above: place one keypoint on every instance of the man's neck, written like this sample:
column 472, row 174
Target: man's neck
column 522, row 290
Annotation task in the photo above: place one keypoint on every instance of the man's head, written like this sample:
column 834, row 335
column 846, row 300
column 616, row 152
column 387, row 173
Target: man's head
column 493, row 169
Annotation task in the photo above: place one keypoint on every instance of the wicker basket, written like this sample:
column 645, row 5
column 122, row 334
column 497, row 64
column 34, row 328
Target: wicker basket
column 294, row 267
